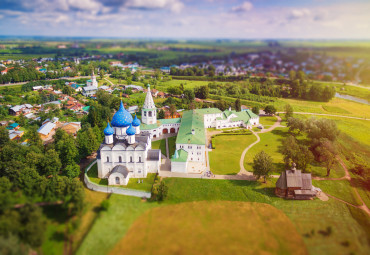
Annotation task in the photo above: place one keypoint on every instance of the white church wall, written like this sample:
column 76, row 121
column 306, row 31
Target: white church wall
column 195, row 152
column 179, row 167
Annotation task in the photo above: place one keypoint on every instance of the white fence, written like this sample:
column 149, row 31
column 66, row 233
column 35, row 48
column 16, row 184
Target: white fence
column 110, row 189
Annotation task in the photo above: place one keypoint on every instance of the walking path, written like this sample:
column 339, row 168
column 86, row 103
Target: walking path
column 167, row 150
column 111, row 83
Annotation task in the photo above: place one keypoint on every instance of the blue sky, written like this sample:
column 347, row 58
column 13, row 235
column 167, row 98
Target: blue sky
column 302, row 19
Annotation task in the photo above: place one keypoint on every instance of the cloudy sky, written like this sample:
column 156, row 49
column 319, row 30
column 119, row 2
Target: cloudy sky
column 314, row 19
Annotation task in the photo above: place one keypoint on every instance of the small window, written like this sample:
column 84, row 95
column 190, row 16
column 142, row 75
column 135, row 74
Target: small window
column 139, row 159
column 150, row 114
column 144, row 113
column 117, row 180
column 120, row 159
column 107, row 159
column 130, row 158
column 139, row 172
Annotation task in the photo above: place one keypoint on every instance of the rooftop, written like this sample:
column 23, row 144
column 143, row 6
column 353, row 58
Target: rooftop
column 192, row 120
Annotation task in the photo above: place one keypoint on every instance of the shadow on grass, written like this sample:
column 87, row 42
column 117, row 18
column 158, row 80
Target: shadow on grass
column 360, row 183
column 55, row 212
column 58, row 236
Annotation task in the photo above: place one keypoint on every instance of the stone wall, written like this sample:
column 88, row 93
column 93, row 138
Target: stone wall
column 110, row 189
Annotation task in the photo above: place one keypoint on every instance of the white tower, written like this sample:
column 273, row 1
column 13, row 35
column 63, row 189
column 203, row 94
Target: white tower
column 149, row 112
column 93, row 80
column 108, row 132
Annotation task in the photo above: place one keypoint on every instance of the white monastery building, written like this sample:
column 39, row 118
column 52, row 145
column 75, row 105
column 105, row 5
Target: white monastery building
column 126, row 151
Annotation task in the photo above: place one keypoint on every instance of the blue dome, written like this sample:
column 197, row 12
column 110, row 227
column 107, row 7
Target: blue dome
column 108, row 130
column 136, row 122
column 121, row 118
column 131, row 130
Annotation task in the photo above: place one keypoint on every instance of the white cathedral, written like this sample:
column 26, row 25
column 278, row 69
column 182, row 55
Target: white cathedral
column 91, row 86
column 126, row 151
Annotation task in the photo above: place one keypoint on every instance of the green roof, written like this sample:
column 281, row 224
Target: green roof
column 191, row 120
column 147, row 110
column 170, row 121
column 180, row 156
column 86, row 108
column 148, row 127
column 241, row 116
column 208, row 110
column 251, row 114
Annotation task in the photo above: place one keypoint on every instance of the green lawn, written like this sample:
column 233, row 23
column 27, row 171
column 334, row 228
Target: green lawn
column 160, row 144
column 145, row 186
column 93, row 176
column 225, row 158
column 268, row 120
column 339, row 189
column 171, row 145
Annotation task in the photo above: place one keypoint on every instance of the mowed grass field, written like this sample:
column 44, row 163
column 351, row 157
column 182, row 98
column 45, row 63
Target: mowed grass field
column 267, row 121
column 336, row 106
column 160, row 145
column 310, row 218
column 205, row 227
column 225, row 158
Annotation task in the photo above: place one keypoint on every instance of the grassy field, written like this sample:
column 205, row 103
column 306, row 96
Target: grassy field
column 268, row 120
column 340, row 189
column 171, row 145
column 160, row 144
column 271, row 143
column 145, row 186
column 225, row 158
column 221, row 227
column 335, row 106
column 113, row 224
column 347, row 224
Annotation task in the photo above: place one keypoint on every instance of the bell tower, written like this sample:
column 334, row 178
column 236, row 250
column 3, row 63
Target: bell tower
column 149, row 112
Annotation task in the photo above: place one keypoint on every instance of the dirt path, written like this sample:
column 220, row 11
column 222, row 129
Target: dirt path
column 111, row 83
column 347, row 176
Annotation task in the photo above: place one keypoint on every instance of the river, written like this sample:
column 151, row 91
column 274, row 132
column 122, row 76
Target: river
column 352, row 98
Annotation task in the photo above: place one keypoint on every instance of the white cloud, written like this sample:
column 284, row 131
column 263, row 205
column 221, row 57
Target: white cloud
column 244, row 7
column 173, row 5
column 299, row 13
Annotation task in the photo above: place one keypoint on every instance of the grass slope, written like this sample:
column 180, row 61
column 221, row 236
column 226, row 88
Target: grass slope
column 160, row 145
column 225, row 158
column 212, row 228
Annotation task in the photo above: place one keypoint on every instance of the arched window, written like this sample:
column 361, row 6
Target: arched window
column 139, row 159
column 117, row 180
column 130, row 158
column 150, row 114
column 144, row 113
column 107, row 159
column 120, row 159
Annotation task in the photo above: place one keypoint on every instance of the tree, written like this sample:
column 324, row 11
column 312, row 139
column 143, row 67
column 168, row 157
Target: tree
column 102, row 72
column 288, row 111
column 270, row 109
column 172, row 109
column 297, row 153
column 262, row 165
column 292, row 75
column 301, row 76
column 4, row 136
column 66, row 147
column 33, row 225
column 202, row 92
column 67, row 90
column 238, row 105
column 296, row 124
column 72, row 170
column 161, row 114
column 51, row 163
column 162, row 191
column 33, row 137
column 256, row 110
column 326, row 153
column 21, row 120
column 189, row 95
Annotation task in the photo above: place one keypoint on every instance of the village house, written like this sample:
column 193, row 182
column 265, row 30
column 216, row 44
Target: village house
column 13, row 126
column 18, row 109
column 15, row 135
column 46, row 130
column 71, row 127
column 293, row 184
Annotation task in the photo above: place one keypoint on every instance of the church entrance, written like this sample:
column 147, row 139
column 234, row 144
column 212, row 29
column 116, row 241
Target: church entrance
column 165, row 131
column 154, row 136
column 173, row 130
